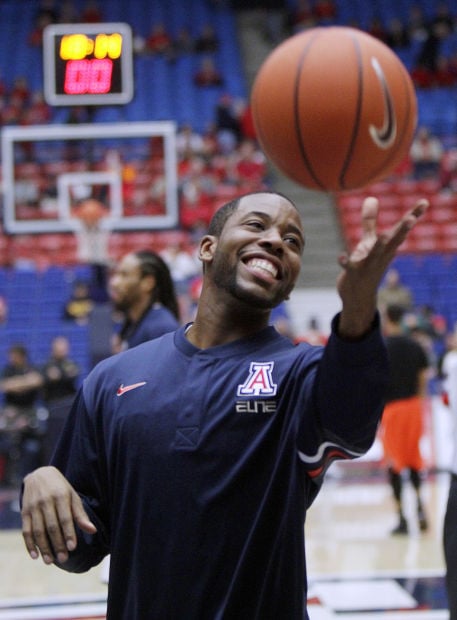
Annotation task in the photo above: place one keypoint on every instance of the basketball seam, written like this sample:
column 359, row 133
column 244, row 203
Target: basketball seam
column 356, row 126
column 298, row 132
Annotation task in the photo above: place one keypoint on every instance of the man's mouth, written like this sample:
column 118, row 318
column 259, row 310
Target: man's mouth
column 263, row 266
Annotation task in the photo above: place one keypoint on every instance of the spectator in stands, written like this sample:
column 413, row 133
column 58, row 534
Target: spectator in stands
column 417, row 23
column 211, row 148
column 402, row 420
column 21, row 384
column 207, row 41
column 188, row 142
column 270, row 19
column 452, row 63
column 91, row 12
column 196, row 190
column 48, row 9
column 422, row 76
column 11, row 110
column 60, row 375
column 431, row 48
column 3, row 87
column 68, row 13
column 397, row 35
column 448, row 169
column 80, row 305
column 38, row 112
column 227, row 123
column 183, row 42
column 246, row 120
column 426, row 154
column 443, row 17
column 377, row 29
column 60, row 372
column 325, row 11
column 197, row 179
column 20, row 90
column 159, row 42
column 444, row 75
column 208, row 74
column 142, row 289
column 183, row 265
column 393, row 292
column 251, row 166
column 43, row 19
column 301, row 16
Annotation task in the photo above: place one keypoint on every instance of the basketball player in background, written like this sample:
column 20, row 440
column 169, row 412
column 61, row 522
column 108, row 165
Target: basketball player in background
column 193, row 458
column 402, row 421
column 141, row 287
column 449, row 371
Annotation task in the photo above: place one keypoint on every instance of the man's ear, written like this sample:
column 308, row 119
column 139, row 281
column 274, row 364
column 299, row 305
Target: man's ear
column 207, row 248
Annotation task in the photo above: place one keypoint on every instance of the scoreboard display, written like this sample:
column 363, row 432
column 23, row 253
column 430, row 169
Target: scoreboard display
column 87, row 64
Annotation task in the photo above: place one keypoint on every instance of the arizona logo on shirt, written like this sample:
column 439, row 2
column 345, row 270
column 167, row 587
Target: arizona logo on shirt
column 259, row 382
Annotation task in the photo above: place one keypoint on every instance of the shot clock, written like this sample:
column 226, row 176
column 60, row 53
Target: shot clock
column 88, row 64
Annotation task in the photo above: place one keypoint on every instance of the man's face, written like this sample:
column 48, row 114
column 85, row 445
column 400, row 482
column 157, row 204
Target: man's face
column 60, row 348
column 17, row 358
column 126, row 283
column 258, row 254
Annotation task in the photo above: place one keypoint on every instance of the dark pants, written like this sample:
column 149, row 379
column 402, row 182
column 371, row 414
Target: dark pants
column 450, row 547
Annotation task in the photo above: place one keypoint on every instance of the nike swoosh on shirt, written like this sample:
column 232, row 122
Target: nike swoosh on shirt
column 122, row 389
column 385, row 135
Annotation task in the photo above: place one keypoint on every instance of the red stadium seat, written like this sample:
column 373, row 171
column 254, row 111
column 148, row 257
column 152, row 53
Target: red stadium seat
column 428, row 187
column 404, row 186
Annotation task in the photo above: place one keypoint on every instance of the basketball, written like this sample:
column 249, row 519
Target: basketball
column 334, row 108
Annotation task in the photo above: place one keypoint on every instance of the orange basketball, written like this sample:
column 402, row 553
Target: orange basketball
column 334, row 108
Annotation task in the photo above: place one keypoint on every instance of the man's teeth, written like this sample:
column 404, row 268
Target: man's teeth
column 264, row 265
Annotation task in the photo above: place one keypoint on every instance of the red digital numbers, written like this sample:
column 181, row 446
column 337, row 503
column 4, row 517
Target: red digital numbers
column 88, row 76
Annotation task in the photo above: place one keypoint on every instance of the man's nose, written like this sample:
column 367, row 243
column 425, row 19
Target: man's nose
column 273, row 238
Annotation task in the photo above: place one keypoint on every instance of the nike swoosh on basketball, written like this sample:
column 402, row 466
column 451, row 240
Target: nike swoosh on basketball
column 385, row 135
column 122, row 389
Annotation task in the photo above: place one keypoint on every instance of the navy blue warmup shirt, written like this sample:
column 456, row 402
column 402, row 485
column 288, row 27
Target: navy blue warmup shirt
column 197, row 467
column 157, row 320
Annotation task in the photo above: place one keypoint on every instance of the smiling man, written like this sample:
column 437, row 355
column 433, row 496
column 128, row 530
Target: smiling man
column 193, row 458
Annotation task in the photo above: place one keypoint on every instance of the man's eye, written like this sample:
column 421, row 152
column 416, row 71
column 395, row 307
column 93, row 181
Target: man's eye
column 256, row 224
column 293, row 241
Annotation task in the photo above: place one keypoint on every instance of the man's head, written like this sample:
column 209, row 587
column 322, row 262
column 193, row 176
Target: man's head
column 17, row 355
column 253, row 249
column 392, row 317
column 141, row 279
column 60, row 347
column 81, row 290
column 395, row 313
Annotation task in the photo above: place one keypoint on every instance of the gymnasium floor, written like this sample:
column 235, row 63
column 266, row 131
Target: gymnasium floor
column 357, row 570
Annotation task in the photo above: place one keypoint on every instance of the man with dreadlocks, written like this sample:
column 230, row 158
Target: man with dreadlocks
column 142, row 289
